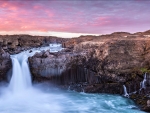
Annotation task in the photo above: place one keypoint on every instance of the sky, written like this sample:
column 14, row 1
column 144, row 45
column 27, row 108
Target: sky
column 70, row 18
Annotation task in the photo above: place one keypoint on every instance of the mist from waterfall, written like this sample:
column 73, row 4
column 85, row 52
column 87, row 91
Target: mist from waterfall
column 20, row 96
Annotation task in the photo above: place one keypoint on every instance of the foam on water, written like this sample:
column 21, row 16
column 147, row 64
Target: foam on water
column 20, row 96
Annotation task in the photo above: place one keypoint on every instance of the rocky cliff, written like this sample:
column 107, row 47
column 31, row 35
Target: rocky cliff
column 5, row 64
column 99, row 65
column 117, row 59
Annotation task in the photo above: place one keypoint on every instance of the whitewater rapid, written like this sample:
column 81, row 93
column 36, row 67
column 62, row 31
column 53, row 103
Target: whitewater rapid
column 21, row 96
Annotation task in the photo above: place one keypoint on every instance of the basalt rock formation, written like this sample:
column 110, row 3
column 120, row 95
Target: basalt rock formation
column 100, row 65
column 5, row 64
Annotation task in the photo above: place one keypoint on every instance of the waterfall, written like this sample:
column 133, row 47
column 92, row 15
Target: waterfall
column 125, row 91
column 21, row 77
column 26, row 71
column 143, row 82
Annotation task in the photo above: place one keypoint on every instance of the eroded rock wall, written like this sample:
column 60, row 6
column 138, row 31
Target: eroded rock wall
column 99, row 66
column 114, row 62
column 5, row 64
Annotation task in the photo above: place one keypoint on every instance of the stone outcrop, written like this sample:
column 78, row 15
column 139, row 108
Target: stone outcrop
column 5, row 64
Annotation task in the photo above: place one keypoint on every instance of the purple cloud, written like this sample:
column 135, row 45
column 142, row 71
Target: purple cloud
column 74, row 16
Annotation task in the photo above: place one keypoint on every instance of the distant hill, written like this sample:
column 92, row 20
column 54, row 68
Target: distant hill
column 143, row 33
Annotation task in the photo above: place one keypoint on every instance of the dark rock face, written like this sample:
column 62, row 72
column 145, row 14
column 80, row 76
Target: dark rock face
column 5, row 64
column 120, row 61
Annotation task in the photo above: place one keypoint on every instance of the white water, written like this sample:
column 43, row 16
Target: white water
column 20, row 96
column 21, row 78
column 125, row 91
column 143, row 82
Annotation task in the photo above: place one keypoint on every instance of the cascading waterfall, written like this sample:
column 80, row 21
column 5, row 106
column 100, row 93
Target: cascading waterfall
column 21, row 77
column 26, row 71
column 143, row 82
column 125, row 91
column 142, row 86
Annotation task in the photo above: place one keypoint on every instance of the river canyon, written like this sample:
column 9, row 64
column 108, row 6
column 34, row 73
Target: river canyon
column 90, row 74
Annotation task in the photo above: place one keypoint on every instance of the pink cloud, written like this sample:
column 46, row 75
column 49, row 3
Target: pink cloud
column 74, row 16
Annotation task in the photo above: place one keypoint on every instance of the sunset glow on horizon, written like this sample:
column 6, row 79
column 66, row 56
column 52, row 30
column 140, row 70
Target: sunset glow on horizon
column 68, row 18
